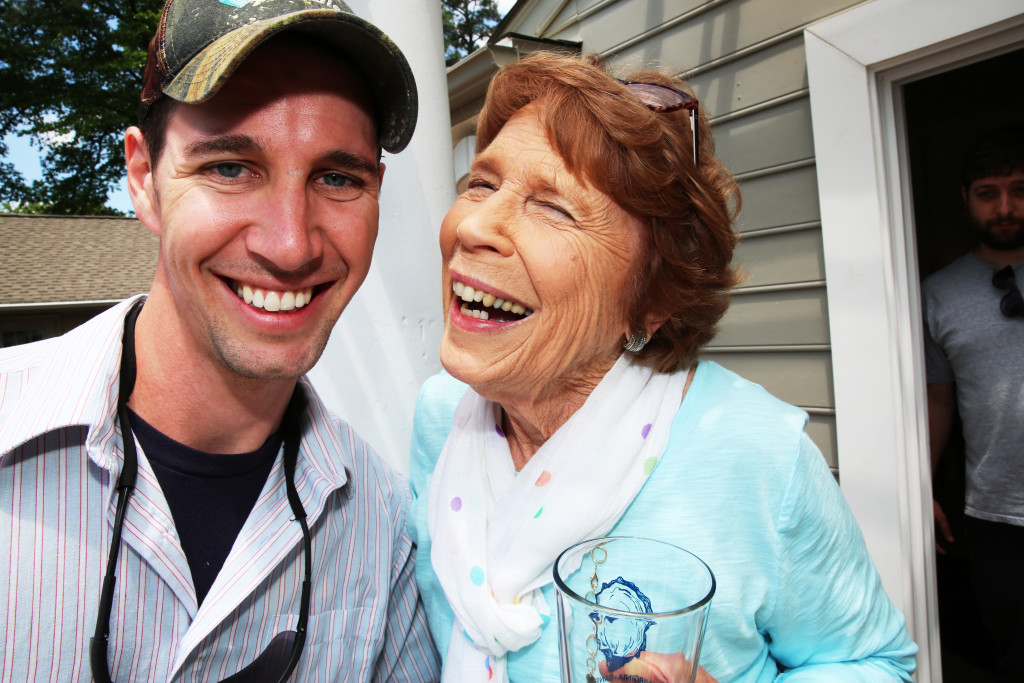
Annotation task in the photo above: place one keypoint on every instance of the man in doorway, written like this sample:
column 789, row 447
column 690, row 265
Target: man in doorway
column 974, row 337
column 176, row 503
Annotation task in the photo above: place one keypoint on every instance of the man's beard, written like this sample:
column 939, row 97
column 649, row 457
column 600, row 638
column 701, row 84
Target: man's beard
column 1002, row 239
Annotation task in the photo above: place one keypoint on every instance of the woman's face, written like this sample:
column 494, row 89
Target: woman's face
column 557, row 252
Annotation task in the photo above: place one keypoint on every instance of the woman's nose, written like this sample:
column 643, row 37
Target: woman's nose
column 488, row 226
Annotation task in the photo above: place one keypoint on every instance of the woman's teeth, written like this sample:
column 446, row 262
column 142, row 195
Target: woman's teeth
column 471, row 295
column 273, row 301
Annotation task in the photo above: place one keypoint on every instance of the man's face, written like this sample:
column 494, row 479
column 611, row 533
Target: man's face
column 995, row 210
column 265, row 200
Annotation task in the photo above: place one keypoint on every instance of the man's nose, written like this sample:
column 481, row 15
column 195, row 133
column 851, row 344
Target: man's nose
column 1005, row 203
column 286, row 235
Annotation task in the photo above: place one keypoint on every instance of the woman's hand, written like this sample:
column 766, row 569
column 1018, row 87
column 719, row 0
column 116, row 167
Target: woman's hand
column 655, row 667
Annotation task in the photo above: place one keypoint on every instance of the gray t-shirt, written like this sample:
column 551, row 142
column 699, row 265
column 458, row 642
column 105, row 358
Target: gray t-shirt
column 970, row 342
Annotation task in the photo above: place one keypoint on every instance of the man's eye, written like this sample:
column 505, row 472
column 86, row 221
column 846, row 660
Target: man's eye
column 229, row 170
column 337, row 180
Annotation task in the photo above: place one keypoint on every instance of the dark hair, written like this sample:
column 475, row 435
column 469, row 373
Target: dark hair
column 644, row 162
column 153, row 122
column 996, row 152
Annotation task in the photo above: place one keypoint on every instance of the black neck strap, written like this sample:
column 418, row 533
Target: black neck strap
column 126, row 480
column 291, row 423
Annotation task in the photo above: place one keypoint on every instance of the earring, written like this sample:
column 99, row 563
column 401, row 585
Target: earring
column 636, row 342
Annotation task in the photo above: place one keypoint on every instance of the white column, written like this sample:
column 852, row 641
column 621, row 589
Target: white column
column 386, row 342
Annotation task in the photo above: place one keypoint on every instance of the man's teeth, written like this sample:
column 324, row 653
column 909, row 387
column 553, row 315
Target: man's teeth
column 468, row 294
column 274, row 301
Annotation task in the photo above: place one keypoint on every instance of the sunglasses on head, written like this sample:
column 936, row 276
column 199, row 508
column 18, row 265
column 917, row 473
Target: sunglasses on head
column 1012, row 303
column 661, row 99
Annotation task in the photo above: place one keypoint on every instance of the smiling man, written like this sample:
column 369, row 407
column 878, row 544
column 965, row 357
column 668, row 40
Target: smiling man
column 176, row 503
column 974, row 351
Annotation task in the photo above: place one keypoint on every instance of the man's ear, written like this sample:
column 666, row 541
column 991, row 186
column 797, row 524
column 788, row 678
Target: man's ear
column 140, row 179
column 963, row 194
column 380, row 175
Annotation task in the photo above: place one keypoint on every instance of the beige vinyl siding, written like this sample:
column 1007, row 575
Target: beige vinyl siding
column 745, row 60
column 774, row 70
column 779, row 315
column 788, row 255
column 780, row 199
column 685, row 33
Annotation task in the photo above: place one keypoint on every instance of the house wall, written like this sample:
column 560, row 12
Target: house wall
column 745, row 60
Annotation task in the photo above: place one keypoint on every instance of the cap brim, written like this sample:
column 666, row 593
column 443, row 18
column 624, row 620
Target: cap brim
column 382, row 64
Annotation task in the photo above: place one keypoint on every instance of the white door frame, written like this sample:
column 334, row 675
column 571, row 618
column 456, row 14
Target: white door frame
column 855, row 62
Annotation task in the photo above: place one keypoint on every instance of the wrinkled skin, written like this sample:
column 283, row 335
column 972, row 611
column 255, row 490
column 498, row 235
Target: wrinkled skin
column 527, row 230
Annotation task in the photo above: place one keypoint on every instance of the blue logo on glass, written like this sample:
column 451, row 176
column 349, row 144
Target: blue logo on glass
column 621, row 638
column 236, row 3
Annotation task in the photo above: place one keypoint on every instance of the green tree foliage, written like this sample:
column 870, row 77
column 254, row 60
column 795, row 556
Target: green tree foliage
column 70, row 75
column 9, row 207
column 466, row 23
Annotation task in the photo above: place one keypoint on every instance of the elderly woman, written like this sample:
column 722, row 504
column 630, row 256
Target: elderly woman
column 585, row 266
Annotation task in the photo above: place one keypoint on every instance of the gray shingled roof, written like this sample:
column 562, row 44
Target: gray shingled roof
column 74, row 258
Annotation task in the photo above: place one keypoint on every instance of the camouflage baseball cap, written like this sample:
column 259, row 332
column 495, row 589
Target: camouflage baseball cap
column 199, row 44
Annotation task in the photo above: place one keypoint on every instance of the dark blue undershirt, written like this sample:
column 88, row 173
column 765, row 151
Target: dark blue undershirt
column 210, row 495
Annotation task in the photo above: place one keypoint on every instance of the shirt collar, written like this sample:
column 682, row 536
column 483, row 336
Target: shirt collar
column 324, row 452
column 73, row 381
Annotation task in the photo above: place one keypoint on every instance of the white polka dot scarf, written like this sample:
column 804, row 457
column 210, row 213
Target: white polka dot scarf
column 496, row 533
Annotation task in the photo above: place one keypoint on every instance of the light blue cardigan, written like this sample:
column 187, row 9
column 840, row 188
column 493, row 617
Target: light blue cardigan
column 743, row 487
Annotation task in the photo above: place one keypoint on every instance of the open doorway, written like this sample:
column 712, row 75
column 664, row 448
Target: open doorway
column 857, row 63
column 943, row 113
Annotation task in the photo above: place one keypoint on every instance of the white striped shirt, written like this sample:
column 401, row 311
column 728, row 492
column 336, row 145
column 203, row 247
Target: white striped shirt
column 60, row 454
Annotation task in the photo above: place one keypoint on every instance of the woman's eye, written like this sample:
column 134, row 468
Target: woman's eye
column 557, row 209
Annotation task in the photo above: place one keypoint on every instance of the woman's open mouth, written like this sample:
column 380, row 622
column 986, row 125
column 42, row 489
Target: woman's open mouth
column 477, row 303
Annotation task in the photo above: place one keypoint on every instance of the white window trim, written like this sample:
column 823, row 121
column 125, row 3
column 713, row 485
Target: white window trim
column 855, row 61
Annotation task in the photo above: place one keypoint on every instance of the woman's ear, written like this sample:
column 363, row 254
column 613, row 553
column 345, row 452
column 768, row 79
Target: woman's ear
column 636, row 339
column 653, row 321
column 140, row 179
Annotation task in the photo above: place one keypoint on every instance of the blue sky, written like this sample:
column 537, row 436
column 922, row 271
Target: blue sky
column 26, row 158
